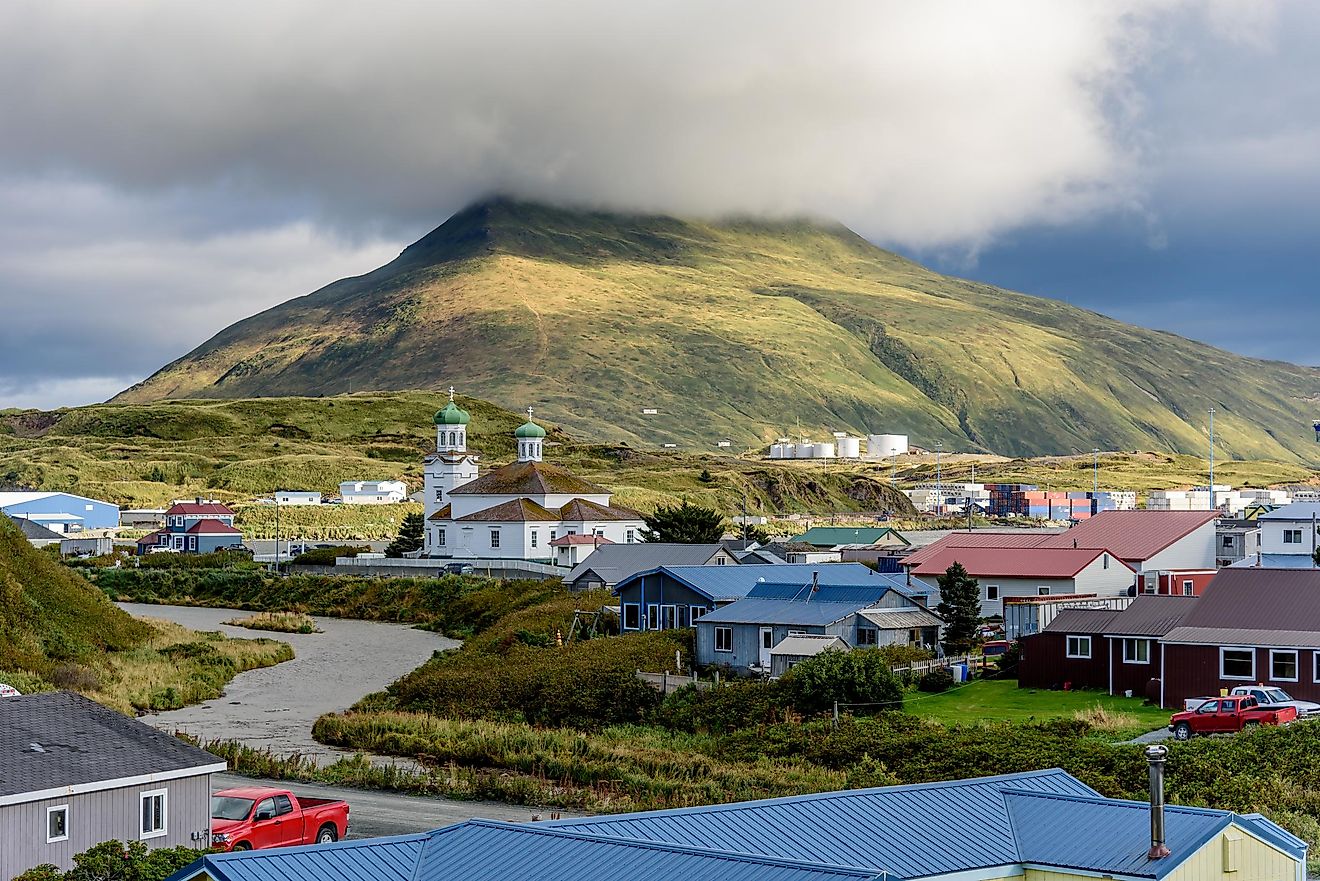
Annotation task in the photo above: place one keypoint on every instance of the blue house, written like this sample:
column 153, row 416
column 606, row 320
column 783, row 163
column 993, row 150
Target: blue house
column 676, row 596
column 194, row 528
column 60, row 512
column 778, row 624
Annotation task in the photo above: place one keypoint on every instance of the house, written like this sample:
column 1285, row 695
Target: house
column 1014, row 832
column 613, row 563
column 1114, row 650
column 802, row 552
column 142, row 518
column 1289, row 537
column 74, row 774
column 1026, row 571
column 59, row 511
column 1236, row 540
column 38, row 535
column 196, row 527
column 373, row 492
column 570, row 550
column 1024, row 616
column 516, row 511
column 748, row 634
column 299, row 496
column 1183, row 582
column 1166, row 541
column 833, row 536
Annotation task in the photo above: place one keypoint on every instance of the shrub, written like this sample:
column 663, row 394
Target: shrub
column 860, row 678
column 730, row 707
column 1006, row 665
column 212, row 560
column 936, row 680
column 119, row 861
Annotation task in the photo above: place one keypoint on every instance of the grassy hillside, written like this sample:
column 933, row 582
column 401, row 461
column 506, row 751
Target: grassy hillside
column 59, row 631
column 744, row 330
column 147, row 454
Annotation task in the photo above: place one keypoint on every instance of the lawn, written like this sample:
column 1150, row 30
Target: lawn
column 1002, row 701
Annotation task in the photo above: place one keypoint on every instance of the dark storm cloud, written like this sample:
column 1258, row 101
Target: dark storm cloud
column 166, row 168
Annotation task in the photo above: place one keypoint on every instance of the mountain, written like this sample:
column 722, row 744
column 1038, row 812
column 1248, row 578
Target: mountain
column 746, row 330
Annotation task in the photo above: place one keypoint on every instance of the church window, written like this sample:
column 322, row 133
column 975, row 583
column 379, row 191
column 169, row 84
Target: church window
column 533, row 538
column 440, row 537
column 439, row 495
column 494, row 538
column 631, row 536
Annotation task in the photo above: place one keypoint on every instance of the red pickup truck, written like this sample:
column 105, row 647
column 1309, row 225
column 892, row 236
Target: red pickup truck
column 257, row 817
column 1227, row 715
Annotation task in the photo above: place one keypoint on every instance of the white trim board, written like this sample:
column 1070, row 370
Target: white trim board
column 114, row 783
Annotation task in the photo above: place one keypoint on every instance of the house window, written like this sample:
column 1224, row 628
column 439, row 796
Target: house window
column 600, row 533
column 494, row 538
column 719, row 561
column 867, row 636
column 554, row 534
column 991, row 592
column 1106, row 561
column 1292, row 536
column 632, row 616
column 1315, row 666
column 439, row 495
column 1237, row 663
column 652, row 617
column 723, row 639
column 1079, row 647
column 684, row 617
column 696, row 612
column 1189, row 589
column 1136, row 651
column 1043, row 591
column 1283, row 665
column 153, row 813
column 571, row 532
column 1151, row 583
column 1228, row 542
column 632, row 536
column 192, row 542
column 440, row 537
column 57, row 824
column 668, row 617
column 534, row 538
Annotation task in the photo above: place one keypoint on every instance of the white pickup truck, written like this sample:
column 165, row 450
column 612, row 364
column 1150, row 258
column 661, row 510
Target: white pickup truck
column 1268, row 697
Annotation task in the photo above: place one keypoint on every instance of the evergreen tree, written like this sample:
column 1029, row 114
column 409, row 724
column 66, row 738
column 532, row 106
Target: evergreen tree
column 409, row 538
column 960, row 607
column 684, row 524
column 752, row 532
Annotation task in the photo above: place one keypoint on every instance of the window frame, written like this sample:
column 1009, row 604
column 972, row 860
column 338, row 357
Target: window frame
column 998, row 593
column 1134, row 641
column 145, row 834
column 1188, row 587
column 535, row 536
column 64, row 809
column 696, row 613
column 1315, row 666
column 630, row 537
column 652, row 616
column 1251, row 677
column 1297, row 665
column 440, row 537
column 1043, row 590
column 872, row 635
column 726, row 632
column 637, row 617
column 1290, row 532
column 495, row 538
column 1068, row 649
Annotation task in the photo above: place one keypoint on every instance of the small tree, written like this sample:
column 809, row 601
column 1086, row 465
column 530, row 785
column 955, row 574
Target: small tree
column 409, row 538
column 752, row 532
column 1315, row 555
column 960, row 607
column 860, row 677
column 684, row 524
column 119, row 861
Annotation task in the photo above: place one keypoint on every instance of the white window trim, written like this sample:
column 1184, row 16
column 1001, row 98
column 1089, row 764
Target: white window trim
column 1134, row 641
column 996, row 597
column 164, row 814
column 1297, row 664
column 1079, row 637
column 1042, row 590
column 51, row 810
column 695, row 613
column 1315, row 666
column 729, row 632
column 1237, row 648
column 626, row 607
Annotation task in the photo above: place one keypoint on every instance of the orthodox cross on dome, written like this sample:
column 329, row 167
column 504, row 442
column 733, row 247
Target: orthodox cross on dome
column 529, row 414
column 451, row 393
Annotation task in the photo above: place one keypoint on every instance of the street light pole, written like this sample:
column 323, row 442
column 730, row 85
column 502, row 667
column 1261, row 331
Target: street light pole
column 1212, row 458
column 1095, row 470
column 939, row 480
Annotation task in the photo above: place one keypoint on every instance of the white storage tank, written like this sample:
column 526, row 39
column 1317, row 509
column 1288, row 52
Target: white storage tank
column 822, row 451
column 882, row 446
column 849, row 447
column 804, row 451
column 777, row 451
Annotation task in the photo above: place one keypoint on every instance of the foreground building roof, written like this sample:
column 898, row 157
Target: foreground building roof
column 1134, row 536
column 999, row 562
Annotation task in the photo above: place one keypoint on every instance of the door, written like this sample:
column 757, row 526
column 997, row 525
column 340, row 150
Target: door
column 266, row 827
column 288, row 825
column 767, row 643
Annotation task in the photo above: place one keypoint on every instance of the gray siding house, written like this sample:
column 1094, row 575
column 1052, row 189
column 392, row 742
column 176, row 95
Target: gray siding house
column 74, row 774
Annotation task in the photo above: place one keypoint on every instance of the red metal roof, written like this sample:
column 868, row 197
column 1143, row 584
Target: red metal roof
column 566, row 540
column 207, row 526
column 199, row 508
column 150, row 537
column 1131, row 535
column 976, row 540
column 1013, row 562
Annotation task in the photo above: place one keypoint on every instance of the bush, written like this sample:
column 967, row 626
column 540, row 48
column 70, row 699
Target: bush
column 860, row 678
column 729, row 707
column 117, row 861
column 936, row 680
column 213, row 560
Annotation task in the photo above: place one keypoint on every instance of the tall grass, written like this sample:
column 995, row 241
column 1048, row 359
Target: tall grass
column 280, row 622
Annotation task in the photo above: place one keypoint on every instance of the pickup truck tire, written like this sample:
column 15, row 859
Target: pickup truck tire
column 1182, row 731
column 327, row 835
column 1250, row 726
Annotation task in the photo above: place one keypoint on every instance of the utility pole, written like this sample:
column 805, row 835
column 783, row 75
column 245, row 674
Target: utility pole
column 1212, row 458
column 939, row 480
column 277, row 532
column 1095, row 470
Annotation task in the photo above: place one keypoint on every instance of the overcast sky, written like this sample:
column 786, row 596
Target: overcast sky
column 167, row 168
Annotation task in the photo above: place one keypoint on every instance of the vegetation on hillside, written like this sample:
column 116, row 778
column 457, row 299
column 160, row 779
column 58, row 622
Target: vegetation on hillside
column 280, row 622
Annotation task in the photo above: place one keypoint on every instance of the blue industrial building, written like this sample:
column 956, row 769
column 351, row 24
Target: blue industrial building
column 60, row 511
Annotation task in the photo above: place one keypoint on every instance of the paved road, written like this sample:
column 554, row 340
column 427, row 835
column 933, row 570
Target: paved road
column 375, row 813
column 275, row 707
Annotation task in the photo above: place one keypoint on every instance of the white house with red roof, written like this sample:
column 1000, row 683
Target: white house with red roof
column 196, row 527
column 520, row 511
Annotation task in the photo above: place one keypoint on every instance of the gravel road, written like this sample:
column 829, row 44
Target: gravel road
column 275, row 707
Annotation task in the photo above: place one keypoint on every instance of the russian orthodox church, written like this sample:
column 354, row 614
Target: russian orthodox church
column 524, row 510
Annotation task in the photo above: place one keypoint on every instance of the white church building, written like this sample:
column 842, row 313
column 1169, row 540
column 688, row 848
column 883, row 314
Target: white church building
column 513, row 512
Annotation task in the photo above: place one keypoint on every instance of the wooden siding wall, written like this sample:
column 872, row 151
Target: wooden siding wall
column 1044, row 663
column 1257, row 861
column 1136, row 677
column 1194, row 672
column 102, row 816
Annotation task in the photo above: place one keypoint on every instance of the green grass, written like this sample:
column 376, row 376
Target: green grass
column 1002, row 701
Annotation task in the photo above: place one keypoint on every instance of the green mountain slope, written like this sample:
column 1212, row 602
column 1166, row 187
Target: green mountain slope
column 744, row 330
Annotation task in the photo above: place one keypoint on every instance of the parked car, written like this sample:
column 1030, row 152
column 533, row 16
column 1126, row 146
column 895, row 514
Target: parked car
column 259, row 817
column 236, row 549
column 1227, row 715
column 7, row 690
column 1271, row 698
column 460, row 568
column 995, row 647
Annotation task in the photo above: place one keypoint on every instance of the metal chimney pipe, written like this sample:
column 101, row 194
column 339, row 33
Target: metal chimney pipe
column 1155, row 756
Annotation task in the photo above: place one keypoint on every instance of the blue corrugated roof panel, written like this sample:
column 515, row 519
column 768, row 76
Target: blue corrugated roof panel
column 833, row 593
column 752, row 610
column 375, row 859
column 1117, row 835
column 480, row 850
column 735, row 582
column 912, row 831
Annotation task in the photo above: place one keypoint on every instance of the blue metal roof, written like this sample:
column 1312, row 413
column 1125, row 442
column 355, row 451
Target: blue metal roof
column 480, row 850
column 752, row 610
column 912, row 831
column 374, row 859
column 1117, row 833
column 724, row 583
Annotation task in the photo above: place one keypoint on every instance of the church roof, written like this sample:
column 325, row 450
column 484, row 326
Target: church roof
column 581, row 509
column 452, row 414
column 529, row 429
column 515, row 511
column 529, row 479
column 443, row 514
